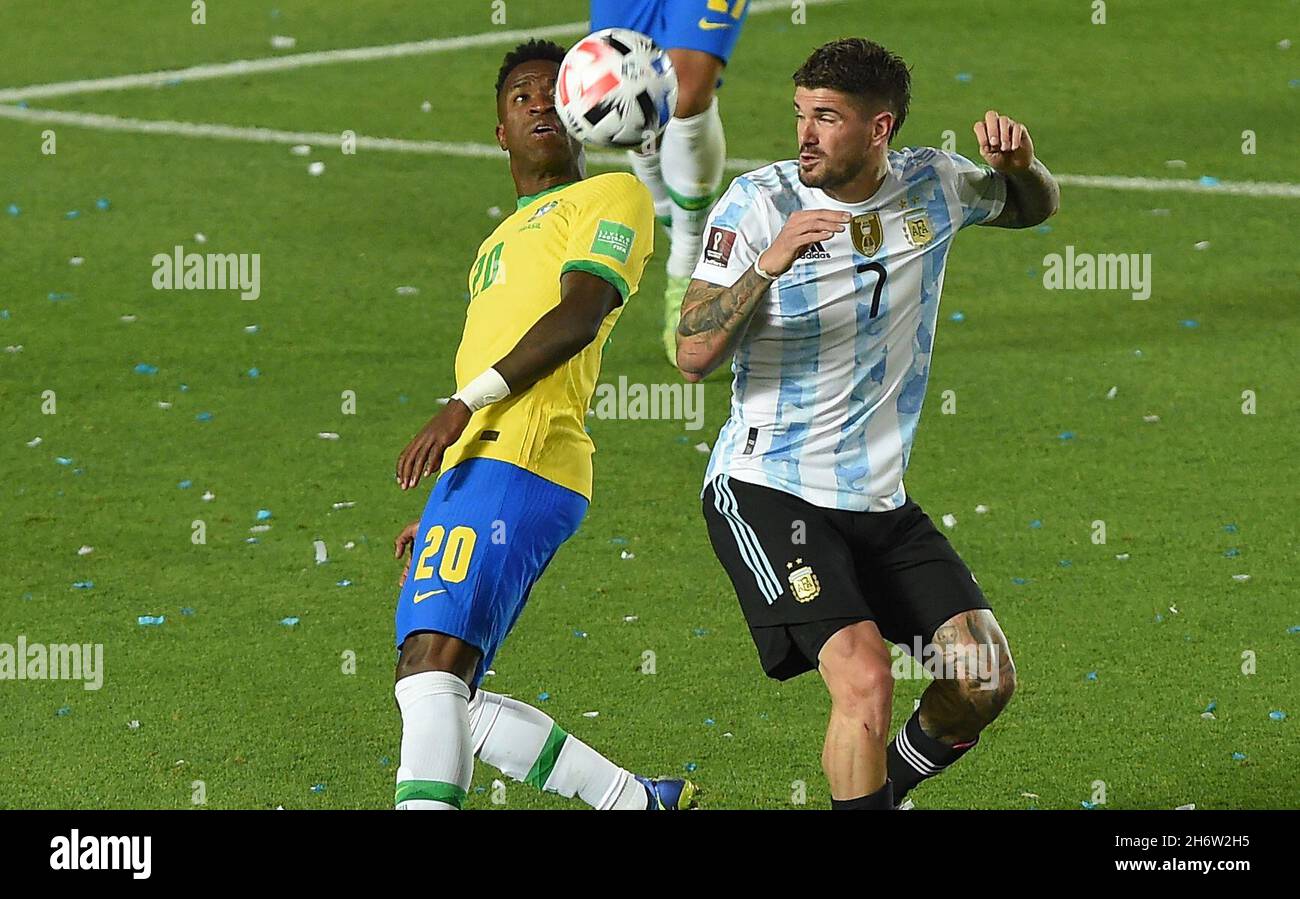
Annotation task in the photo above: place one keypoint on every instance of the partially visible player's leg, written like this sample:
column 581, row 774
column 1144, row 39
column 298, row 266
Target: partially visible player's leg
column 979, row 678
column 855, row 665
column 437, row 760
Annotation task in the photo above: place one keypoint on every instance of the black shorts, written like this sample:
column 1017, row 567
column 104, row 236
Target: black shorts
column 802, row 572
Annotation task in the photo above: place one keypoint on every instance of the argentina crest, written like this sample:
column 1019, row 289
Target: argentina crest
column 867, row 233
column 916, row 227
column 803, row 583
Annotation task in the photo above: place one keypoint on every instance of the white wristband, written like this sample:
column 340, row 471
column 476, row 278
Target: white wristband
column 758, row 270
column 484, row 390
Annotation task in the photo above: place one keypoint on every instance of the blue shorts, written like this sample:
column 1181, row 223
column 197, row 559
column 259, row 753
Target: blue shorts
column 488, row 532
column 711, row 26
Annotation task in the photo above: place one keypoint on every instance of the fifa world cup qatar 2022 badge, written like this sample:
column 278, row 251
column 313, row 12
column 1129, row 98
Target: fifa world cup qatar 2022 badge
column 916, row 227
column 717, row 247
column 803, row 583
column 867, row 233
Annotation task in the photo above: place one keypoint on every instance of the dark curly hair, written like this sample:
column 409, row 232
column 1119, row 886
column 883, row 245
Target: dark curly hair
column 855, row 65
column 528, row 52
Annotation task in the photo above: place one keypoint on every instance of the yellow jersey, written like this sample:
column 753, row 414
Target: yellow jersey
column 603, row 225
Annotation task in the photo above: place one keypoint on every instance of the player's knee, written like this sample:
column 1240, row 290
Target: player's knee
column 431, row 651
column 862, row 688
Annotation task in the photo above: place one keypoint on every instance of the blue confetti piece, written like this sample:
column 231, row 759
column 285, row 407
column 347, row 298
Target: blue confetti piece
column 691, row 766
column 957, row 317
column 1277, row 716
column 1190, row 323
column 964, row 77
column 344, row 583
column 1092, row 675
column 72, row 214
column 1066, row 435
column 263, row 514
column 13, row 209
column 683, row 439
column 1019, row 581
column 187, row 612
column 185, row 388
column 4, row 313
column 63, row 711
column 403, row 398
column 203, row 416
column 1239, row 756
column 1159, row 618
column 144, row 368
column 1230, row 528
column 1044, row 229
column 102, row 203
column 709, row 722
column 254, row 372
column 1293, row 629
column 1087, row 804
column 27, row 596
column 1064, row 563
column 83, row 585
column 701, row 631
column 56, row 296
column 290, row 621
column 150, row 620
column 480, row 789
column 185, row 485
column 1294, row 82
column 1209, row 181
column 63, row 460
column 1036, row 524
column 252, row 540
column 318, row 788
column 1232, row 553
column 581, row 635
column 543, row 696
column 618, row 541
column 385, row 761
column 173, row 82
column 1212, row 706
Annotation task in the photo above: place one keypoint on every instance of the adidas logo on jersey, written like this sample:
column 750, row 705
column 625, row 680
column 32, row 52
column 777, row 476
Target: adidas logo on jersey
column 814, row 250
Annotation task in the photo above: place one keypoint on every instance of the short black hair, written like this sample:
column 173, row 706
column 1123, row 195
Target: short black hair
column 528, row 52
column 855, row 65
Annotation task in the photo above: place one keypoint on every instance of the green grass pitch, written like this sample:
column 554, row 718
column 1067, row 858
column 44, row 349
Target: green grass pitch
column 1113, row 681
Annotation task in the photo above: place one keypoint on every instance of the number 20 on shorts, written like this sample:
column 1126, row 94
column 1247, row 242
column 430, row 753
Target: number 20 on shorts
column 455, row 555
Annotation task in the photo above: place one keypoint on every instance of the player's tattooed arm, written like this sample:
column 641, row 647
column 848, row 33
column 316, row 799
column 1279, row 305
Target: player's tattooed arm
column 713, row 318
column 1033, row 196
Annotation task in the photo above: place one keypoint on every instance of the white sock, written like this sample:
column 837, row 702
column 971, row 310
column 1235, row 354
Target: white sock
column 693, row 150
column 648, row 169
column 525, row 744
column 437, row 751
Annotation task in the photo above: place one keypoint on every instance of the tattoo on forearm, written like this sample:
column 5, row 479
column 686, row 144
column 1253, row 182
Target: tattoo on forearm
column 1032, row 197
column 721, row 309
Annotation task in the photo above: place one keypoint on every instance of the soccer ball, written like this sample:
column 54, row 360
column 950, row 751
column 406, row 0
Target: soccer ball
column 616, row 88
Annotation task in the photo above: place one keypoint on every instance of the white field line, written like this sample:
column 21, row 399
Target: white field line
column 489, row 151
column 287, row 62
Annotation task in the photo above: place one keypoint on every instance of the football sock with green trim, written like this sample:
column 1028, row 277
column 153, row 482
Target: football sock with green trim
column 437, row 753
column 647, row 167
column 693, row 152
column 526, row 745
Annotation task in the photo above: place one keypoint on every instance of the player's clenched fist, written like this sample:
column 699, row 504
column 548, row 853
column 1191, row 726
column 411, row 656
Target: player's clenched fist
column 1004, row 143
column 800, row 230
column 423, row 455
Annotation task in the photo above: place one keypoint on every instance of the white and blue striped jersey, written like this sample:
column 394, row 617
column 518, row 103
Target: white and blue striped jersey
column 831, row 371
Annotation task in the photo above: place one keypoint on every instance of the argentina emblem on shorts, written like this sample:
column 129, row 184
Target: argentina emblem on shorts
column 867, row 233
column 803, row 583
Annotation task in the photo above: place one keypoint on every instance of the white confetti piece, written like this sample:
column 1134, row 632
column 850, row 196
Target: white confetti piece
column 321, row 555
column 981, row 509
column 76, row 260
column 590, row 714
column 1160, row 212
column 200, row 237
column 209, row 496
column 1284, row 44
column 426, row 106
column 1202, row 245
column 283, row 42
column 35, row 441
column 1122, row 557
column 300, row 149
column 133, row 725
column 349, row 545
column 1176, row 163
column 348, row 504
column 631, row 618
column 14, row 349
column 327, row 435
column 316, row 168
column 1112, row 393
column 1209, row 716
column 1241, row 578
column 494, row 212
column 1189, row 807
column 1151, row 419
column 728, row 735
column 250, row 329
column 407, row 290
column 490, row 672
column 259, row 529
column 163, row 404
column 1173, row 610
column 624, row 554
column 702, row 448
column 1029, row 795
column 85, row 550
column 126, row 318
column 950, row 521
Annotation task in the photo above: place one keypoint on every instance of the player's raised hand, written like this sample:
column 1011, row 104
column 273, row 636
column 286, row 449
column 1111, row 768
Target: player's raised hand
column 405, row 539
column 800, row 229
column 1004, row 143
column 423, row 455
